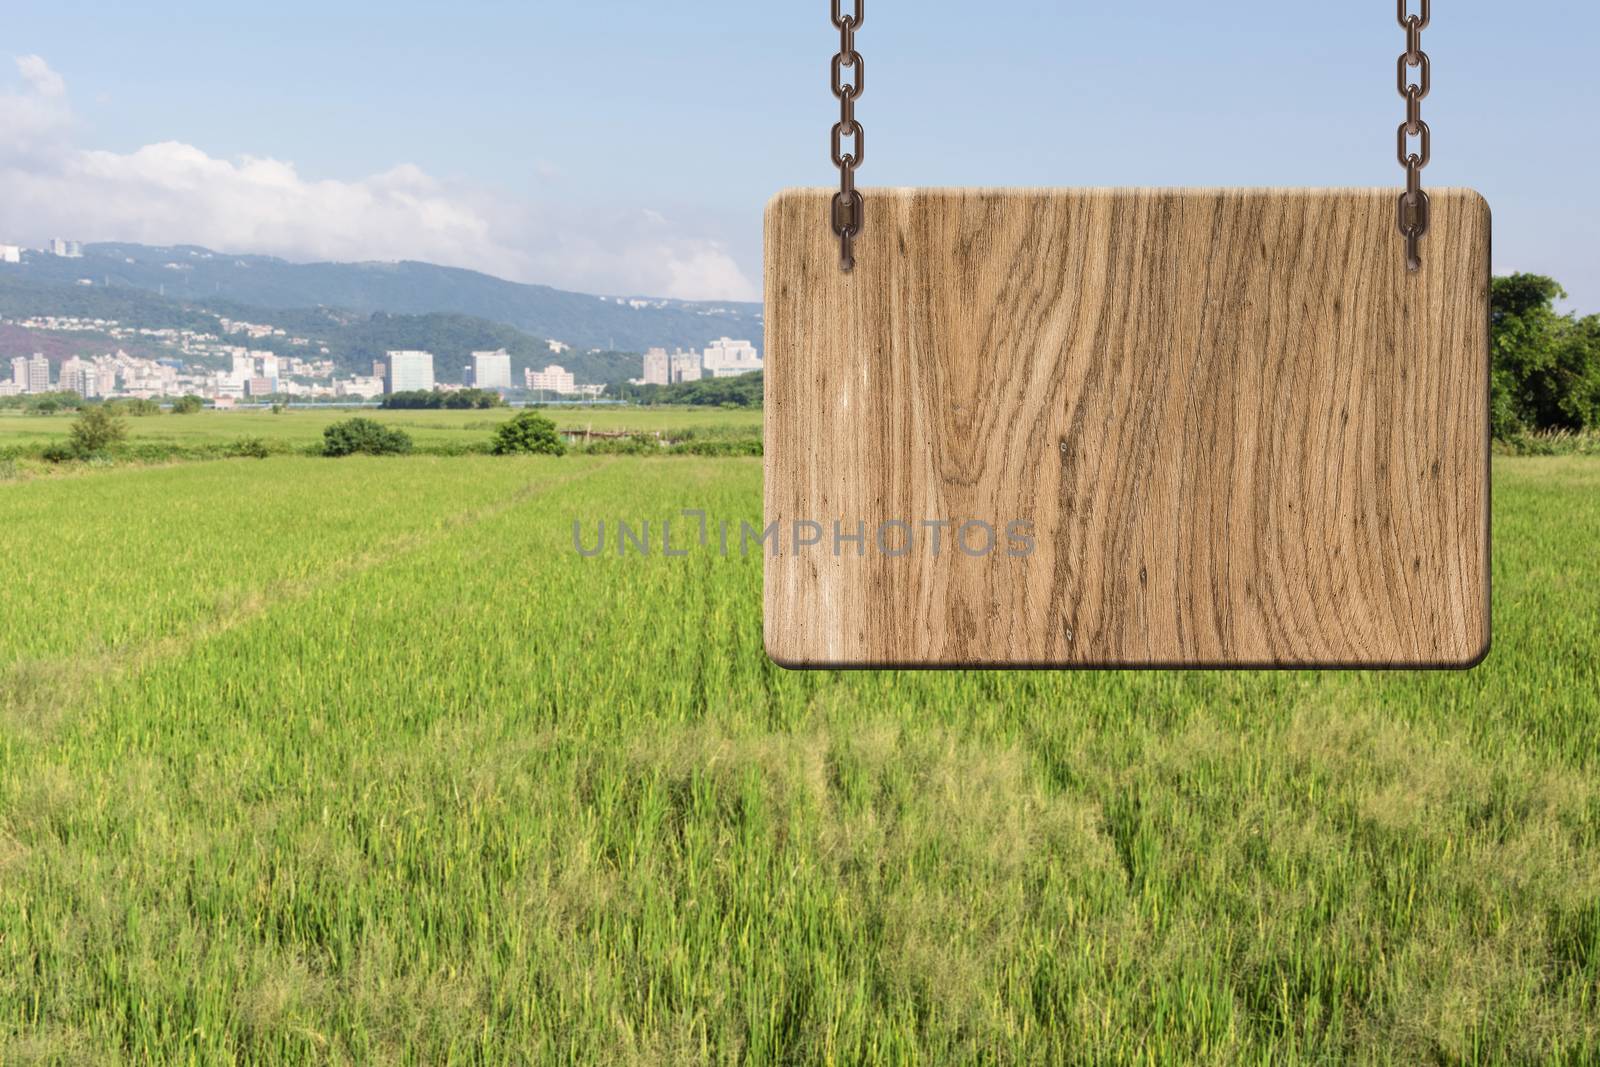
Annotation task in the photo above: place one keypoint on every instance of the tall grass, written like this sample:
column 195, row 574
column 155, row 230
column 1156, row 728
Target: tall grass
column 368, row 766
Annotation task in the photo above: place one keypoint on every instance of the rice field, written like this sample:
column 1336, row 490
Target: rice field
column 359, row 762
column 302, row 426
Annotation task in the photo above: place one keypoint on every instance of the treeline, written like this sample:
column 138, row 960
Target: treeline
column 1546, row 365
column 745, row 391
column 460, row 400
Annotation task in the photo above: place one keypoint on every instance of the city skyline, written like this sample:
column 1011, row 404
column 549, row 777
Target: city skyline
column 226, row 373
column 503, row 149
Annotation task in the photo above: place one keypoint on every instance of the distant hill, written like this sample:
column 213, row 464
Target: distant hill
column 206, row 278
column 354, row 340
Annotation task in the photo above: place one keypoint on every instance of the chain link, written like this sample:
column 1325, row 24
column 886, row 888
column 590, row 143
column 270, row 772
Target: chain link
column 849, row 210
column 1414, row 209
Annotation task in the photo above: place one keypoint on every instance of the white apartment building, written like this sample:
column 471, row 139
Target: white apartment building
column 657, row 367
column 686, row 367
column 65, row 249
column 552, row 379
column 491, row 370
column 363, row 387
column 727, row 358
column 19, row 372
column 10, row 253
column 38, row 376
column 410, row 371
column 81, row 377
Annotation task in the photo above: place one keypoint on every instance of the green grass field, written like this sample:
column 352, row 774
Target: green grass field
column 357, row 762
column 302, row 427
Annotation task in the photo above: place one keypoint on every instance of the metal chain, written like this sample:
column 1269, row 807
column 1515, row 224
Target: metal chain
column 849, row 210
column 1415, row 208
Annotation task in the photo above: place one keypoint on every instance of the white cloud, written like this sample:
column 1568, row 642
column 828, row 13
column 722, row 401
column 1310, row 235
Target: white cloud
column 40, row 78
column 174, row 193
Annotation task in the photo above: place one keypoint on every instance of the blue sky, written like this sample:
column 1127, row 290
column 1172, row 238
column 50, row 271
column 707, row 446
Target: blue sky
column 629, row 146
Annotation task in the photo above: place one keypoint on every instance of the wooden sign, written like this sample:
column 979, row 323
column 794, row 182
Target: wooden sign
column 1127, row 427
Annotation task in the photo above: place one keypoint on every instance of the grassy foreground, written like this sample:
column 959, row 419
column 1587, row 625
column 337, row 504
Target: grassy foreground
column 357, row 762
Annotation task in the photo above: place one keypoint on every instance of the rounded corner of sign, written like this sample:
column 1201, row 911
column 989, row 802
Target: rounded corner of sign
column 785, row 663
column 779, row 652
column 1478, row 656
column 1467, row 658
column 783, row 197
column 1480, row 204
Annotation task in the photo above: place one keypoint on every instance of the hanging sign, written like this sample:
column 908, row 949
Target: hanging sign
column 1127, row 427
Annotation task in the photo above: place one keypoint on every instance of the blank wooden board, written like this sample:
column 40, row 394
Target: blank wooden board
column 1204, row 427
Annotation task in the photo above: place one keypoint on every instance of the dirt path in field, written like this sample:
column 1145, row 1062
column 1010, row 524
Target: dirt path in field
column 35, row 694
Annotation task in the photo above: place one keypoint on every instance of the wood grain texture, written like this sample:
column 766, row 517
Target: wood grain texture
column 1240, row 431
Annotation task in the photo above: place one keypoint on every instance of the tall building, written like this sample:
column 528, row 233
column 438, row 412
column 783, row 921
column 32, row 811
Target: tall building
column 79, row 376
column 244, row 368
column 552, row 379
column 410, row 372
column 727, row 358
column 19, row 372
column 491, row 370
column 657, row 367
column 685, row 367
column 10, row 253
column 38, row 375
column 65, row 249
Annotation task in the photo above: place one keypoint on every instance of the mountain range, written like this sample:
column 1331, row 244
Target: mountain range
column 199, row 278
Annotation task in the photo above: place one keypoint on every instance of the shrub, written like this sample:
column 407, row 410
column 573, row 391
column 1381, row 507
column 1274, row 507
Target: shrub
column 187, row 405
column 719, row 447
column 95, row 430
column 249, row 448
column 138, row 407
column 364, row 436
column 635, row 444
column 528, row 432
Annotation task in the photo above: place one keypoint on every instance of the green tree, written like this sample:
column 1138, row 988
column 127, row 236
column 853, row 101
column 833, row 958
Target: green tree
column 455, row 400
column 138, row 407
column 1546, row 365
column 187, row 405
column 364, row 436
column 528, row 432
column 744, row 391
column 95, row 430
